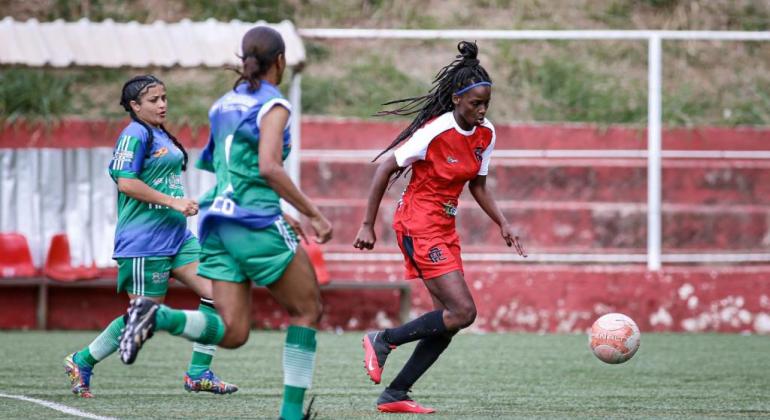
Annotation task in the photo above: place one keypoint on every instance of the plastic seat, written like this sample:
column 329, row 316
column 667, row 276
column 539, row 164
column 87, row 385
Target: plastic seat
column 15, row 256
column 317, row 259
column 58, row 265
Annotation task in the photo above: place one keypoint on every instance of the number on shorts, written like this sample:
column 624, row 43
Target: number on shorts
column 223, row 205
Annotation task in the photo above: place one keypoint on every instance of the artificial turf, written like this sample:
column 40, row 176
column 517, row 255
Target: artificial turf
column 479, row 376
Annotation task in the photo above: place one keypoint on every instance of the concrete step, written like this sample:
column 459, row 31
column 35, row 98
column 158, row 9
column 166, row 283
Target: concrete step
column 593, row 226
column 606, row 180
column 346, row 133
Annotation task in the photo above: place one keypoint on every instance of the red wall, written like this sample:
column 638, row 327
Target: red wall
column 509, row 297
column 558, row 205
column 340, row 133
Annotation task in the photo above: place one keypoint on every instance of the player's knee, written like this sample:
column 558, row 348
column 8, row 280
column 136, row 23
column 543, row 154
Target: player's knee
column 234, row 340
column 308, row 315
column 318, row 312
column 235, row 336
column 465, row 315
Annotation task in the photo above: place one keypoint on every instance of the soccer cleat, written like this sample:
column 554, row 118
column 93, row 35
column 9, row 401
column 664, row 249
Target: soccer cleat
column 139, row 328
column 395, row 401
column 80, row 377
column 376, row 351
column 208, row 382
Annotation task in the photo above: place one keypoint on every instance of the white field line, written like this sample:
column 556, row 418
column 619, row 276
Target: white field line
column 58, row 407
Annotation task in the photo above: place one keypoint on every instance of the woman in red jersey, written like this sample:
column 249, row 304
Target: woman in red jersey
column 448, row 144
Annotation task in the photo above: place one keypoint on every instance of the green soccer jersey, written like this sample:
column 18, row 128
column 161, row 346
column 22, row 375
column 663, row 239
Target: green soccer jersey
column 240, row 194
column 145, row 229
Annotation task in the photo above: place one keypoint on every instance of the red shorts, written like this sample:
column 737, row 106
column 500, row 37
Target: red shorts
column 428, row 258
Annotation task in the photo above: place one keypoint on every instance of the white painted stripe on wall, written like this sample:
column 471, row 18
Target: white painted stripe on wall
column 565, row 258
column 369, row 154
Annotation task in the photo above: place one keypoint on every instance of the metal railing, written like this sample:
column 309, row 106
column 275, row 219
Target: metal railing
column 654, row 39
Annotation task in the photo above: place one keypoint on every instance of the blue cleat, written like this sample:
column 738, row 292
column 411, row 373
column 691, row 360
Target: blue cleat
column 208, row 382
column 79, row 376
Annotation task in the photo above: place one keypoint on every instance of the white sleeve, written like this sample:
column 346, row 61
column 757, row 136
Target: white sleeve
column 269, row 105
column 416, row 147
column 486, row 155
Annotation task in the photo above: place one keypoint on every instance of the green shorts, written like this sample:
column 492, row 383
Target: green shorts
column 236, row 253
column 148, row 276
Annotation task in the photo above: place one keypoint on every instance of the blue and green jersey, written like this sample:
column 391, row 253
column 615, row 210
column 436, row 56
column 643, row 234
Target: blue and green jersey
column 145, row 229
column 232, row 153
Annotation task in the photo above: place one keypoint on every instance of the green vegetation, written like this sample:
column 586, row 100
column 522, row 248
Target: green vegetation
column 505, row 376
column 33, row 93
column 571, row 92
column 360, row 90
column 244, row 10
column 705, row 83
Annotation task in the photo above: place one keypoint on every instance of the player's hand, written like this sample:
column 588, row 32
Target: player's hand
column 512, row 240
column 365, row 238
column 296, row 225
column 185, row 206
column 322, row 228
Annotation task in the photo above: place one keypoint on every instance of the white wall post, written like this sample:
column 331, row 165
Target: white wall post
column 654, row 154
column 293, row 162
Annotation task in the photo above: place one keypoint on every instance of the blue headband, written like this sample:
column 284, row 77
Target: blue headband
column 469, row 87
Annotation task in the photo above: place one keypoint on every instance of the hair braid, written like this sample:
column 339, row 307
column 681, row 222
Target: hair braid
column 150, row 136
column 178, row 144
column 464, row 71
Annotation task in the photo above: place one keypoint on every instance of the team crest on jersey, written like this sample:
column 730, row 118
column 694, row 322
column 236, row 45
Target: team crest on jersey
column 435, row 254
column 450, row 159
column 450, row 209
column 163, row 151
column 160, row 277
column 477, row 151
column 174, row 182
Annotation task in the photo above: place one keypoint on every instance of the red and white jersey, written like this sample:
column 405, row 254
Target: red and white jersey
column 443, row 157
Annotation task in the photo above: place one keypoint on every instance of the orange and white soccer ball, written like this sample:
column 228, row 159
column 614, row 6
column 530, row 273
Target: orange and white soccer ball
column 614, row 338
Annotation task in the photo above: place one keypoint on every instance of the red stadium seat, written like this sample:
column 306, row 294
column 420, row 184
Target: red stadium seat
column 58, row 265
column 317, row 258
column 15, row 257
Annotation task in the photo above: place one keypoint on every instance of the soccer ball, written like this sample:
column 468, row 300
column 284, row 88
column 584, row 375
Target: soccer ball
column 614, row 338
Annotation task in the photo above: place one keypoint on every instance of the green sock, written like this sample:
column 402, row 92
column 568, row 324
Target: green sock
column 198, row 326
column 103, row 345
column 202, row 353
column 298, row 366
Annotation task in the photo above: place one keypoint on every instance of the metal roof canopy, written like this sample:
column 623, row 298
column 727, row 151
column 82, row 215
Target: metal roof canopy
column 112, row 44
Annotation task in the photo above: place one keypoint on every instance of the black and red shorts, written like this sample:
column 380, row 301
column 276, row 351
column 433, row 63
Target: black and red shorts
column 428, row 258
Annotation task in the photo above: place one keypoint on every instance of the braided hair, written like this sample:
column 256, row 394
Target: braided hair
column 261, row 46
column 134, row 90
column 459, row 75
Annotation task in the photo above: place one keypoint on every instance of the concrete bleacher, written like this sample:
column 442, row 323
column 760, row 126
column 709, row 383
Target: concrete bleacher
column 574, row 206
column 559, row 206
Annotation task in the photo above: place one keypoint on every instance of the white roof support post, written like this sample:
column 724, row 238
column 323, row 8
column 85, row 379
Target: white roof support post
column 654, row 115
column 292, row 161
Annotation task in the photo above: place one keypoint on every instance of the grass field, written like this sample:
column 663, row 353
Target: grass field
column 479, row 376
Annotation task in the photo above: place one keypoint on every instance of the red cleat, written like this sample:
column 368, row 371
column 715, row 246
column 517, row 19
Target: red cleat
column 407, row 406
column 375, row 353
column 398, row 401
